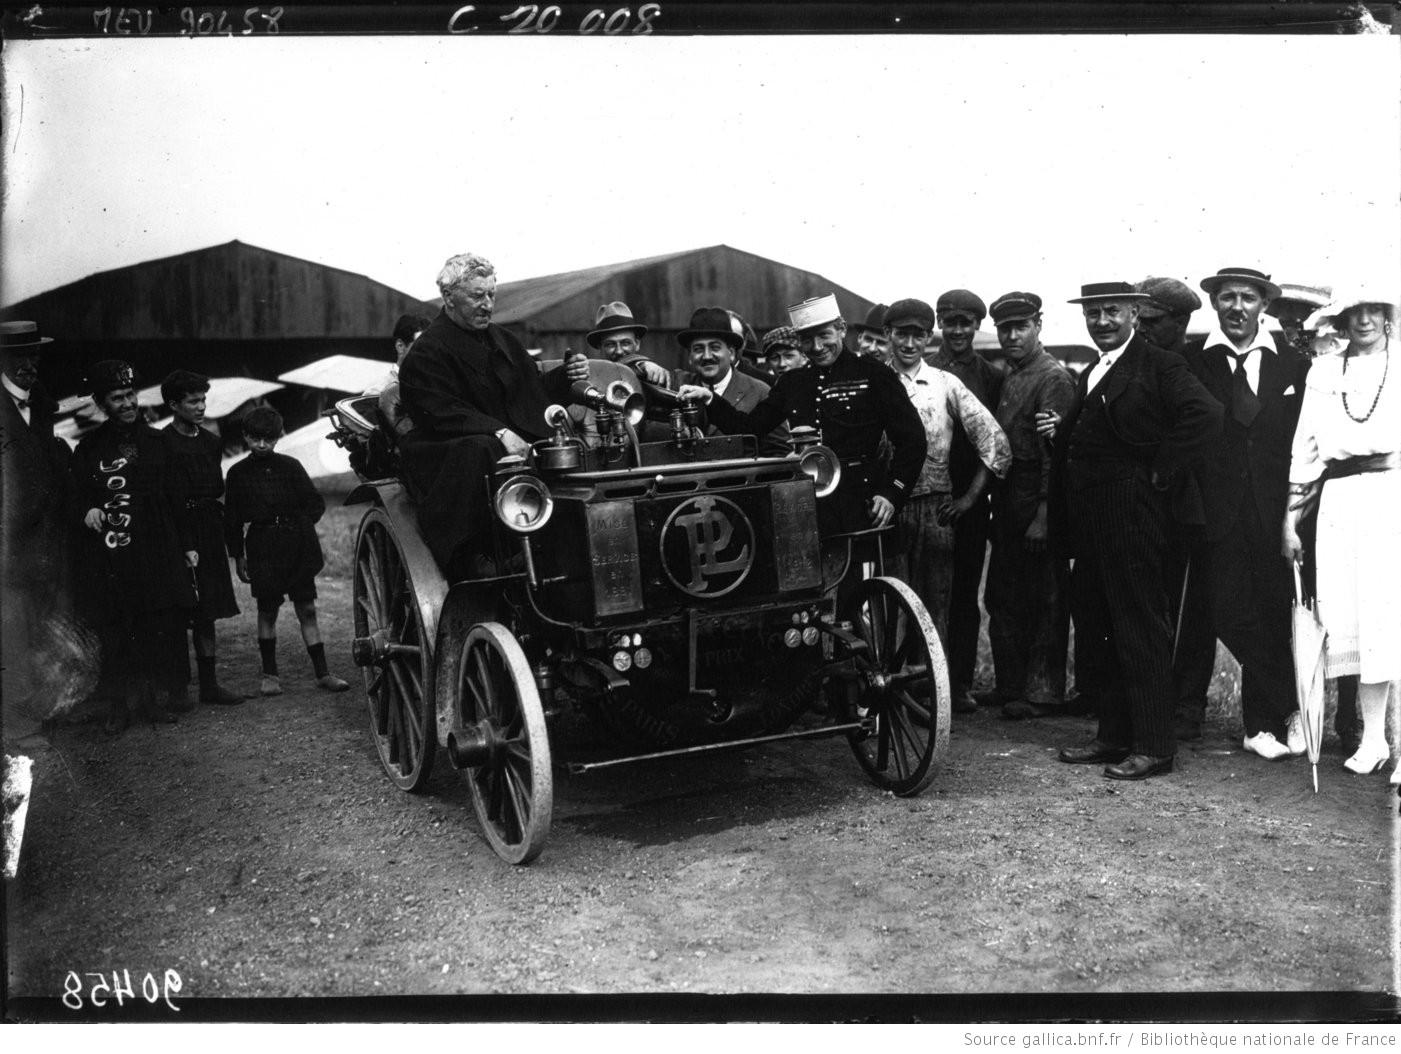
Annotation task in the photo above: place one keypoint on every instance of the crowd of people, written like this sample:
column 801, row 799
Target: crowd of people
column 1175, row 493
column 131, row 534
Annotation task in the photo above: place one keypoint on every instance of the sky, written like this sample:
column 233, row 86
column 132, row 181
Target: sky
column 896, row 166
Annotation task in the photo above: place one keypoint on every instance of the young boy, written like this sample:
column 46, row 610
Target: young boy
column 273, row 494
column 194, row 455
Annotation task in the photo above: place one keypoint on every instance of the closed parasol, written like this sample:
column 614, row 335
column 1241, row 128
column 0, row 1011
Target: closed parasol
column 1310, row 651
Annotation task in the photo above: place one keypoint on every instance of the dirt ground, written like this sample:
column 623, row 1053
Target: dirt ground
column 260, row 852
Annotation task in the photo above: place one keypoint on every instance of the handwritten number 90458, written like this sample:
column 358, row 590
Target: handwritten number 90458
column 100, row 993
column 532, row 18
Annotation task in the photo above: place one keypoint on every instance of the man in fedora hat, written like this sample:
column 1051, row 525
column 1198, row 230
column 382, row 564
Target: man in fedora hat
column 619, row 337
column 474, row 395
column 712, row 342
column 854, row 401
column 1244, row 482
column 1028, row 612
column 34, row 487
column 929, row 518
column 870, row 335
column 959, row 313
column 1141, row 422
column 1164, row 320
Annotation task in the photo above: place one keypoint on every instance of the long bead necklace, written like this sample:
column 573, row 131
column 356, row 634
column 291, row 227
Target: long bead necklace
column 1386, row 368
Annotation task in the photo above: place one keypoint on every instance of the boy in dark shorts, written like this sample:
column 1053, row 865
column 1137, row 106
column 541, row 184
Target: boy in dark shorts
column 273, row 495
column 193, row 456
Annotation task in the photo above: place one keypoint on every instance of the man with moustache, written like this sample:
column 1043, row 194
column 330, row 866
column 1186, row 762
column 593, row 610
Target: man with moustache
column 1141, row 423
column 474, row 395
column 1028, row 612
column 959, row 313
column 855, row 402
column 1164, row 320
column 1245, row 487
column 712, row 342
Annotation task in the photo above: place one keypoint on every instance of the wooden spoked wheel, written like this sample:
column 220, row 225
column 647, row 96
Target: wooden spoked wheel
column 512, row 786
column 392, row 648
column 900, row 683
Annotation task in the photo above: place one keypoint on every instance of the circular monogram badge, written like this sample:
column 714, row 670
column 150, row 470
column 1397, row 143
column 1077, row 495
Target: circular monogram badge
column 707, row 546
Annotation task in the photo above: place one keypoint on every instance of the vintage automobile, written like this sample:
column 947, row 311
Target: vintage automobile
column 679, row 592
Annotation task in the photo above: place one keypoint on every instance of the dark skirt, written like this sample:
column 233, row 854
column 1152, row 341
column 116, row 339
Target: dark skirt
column 216, row 593
column 280, row 557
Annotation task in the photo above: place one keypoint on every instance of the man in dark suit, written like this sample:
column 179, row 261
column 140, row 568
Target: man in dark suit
column 474, row 395
column 711, row 343
column 34, row 486
column 1245, row 486
column 1142, row 420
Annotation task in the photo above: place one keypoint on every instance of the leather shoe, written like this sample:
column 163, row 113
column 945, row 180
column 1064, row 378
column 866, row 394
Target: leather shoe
column 1139, row 767
column 1092, row 753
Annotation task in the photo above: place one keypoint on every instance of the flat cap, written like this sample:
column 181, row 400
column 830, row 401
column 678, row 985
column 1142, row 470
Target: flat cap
column 1014, row 307
column 903, row 312
column 875, row 320
column 1172, row 296
column 961, row 302
column 780, row 337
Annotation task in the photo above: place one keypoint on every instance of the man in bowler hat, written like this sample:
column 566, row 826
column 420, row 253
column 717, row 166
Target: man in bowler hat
column 1245, row 486
column 1142, row 421
column 712, row 343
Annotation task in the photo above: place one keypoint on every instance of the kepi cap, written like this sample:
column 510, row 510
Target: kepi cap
column 814, row 312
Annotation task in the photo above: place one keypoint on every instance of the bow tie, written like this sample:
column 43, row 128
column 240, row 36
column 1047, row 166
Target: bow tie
column 23, row 404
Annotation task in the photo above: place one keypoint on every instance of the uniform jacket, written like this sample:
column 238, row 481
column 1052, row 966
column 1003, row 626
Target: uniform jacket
column 854, row 402
column 459, row 382
column 744, row 393
column 1258, row 455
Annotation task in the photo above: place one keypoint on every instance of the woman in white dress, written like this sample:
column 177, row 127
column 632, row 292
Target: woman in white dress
column 1348, row 445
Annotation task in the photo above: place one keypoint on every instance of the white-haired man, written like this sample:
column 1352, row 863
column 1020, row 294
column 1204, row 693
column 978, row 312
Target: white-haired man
column 474, row 394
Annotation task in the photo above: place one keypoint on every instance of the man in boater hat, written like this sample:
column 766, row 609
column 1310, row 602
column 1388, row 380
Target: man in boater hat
column 854, row 402
column 1141, row 423
column 1245, row 488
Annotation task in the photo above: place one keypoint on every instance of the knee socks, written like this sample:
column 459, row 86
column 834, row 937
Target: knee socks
column 268, row 648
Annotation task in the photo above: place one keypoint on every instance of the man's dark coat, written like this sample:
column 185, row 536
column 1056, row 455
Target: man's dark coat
column 460, row 387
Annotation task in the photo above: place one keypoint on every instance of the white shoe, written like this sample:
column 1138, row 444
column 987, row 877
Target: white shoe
column 1367, row 760
column 1266, row 745
column 1294, row 737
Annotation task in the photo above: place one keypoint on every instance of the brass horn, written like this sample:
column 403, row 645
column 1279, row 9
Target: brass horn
column 632, row 405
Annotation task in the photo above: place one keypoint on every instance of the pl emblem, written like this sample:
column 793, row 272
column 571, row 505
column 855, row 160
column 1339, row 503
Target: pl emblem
column 707, row 546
